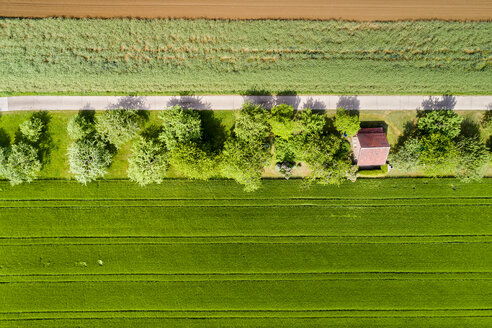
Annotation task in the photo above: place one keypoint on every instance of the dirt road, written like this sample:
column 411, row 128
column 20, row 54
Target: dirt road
column 255, row 9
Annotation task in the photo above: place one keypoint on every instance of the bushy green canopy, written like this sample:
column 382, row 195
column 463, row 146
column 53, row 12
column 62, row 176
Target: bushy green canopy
column 473, row 159
column 32, row 129
column 81, row 126
column 346, row 122
column 282, row 121
column 309, row 122
column 19, row 163
column 192, row 162
column 244, row 162
column 179, row 126
column 328, row 158
column 407, row 157
column 118, row 126
column 439, row 155
column 148, row 162
column 252, row 123
column 89, row 159
column 443, row 121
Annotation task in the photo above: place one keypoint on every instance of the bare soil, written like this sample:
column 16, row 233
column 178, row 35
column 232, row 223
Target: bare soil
column 366, row 10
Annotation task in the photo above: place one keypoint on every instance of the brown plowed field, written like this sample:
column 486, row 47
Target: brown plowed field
column 244, row 9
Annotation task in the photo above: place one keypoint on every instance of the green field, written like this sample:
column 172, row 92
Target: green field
column 375, row 253
column 67, row 56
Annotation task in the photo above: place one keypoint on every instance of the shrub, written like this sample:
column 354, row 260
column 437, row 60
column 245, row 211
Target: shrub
column 252, row 123
column 407, row 157
column 192, row 162
column 438, row 156
column 80, row 126
column 118, row 126
column 282, row 121
column 89, row 159
column 473, row 160
column 346, row 122
column 148, row 162
column 244, row 162
column 179, row 126
column 445, row 122
column 19, row 164
column 32, row 129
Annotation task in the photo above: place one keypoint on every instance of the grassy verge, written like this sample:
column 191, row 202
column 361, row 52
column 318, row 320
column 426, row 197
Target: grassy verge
column 67, row 56
column 184, row 253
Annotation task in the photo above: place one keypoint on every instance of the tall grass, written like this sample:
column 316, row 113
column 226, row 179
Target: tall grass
column 209, row 56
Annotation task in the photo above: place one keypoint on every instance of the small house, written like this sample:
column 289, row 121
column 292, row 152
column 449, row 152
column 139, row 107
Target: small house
column 371, row 147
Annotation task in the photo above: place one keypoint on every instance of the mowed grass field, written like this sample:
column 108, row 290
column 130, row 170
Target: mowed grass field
column 121, row 56
column 376, row 253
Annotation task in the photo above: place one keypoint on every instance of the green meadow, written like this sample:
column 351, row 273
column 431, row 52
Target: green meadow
column 121, row 56
column 375, row 253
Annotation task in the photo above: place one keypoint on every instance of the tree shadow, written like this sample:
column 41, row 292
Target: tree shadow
column 267, row 100
column 329, row 127
column 262, row 98
column 152, row 132
column 130, row 102
column 4, row 138
column 489, row 144
column 44, row 144
column 470, row 128
column 375, row 124
column 214, row 132
column 348, row 102
column 189, row 102
column 88, row 113
column 288, row 97
column 435, row 102
column 314, row 104
column 409, row 131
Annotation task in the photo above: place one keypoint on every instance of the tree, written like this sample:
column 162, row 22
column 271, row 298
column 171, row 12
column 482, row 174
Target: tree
column 81, row 126
column 309, row 123
column 20, row 163
column 346, row 122
column 32, row 129
column 179, row 126
column 148, row 162
column 191, row 161
column 438, row 156
column 118, row 126
column 407, row 158
column 89, row 159
column 282, row 121
column 252, row 123
column 328, row 158
column 244, row 162
column 443, row 121
column 473, row 159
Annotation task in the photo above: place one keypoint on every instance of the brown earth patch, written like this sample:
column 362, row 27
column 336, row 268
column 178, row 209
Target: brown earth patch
column 366, row 10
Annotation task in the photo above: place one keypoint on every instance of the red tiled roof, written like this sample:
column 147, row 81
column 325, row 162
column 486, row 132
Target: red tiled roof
column 372, row 137
column 374, row 147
